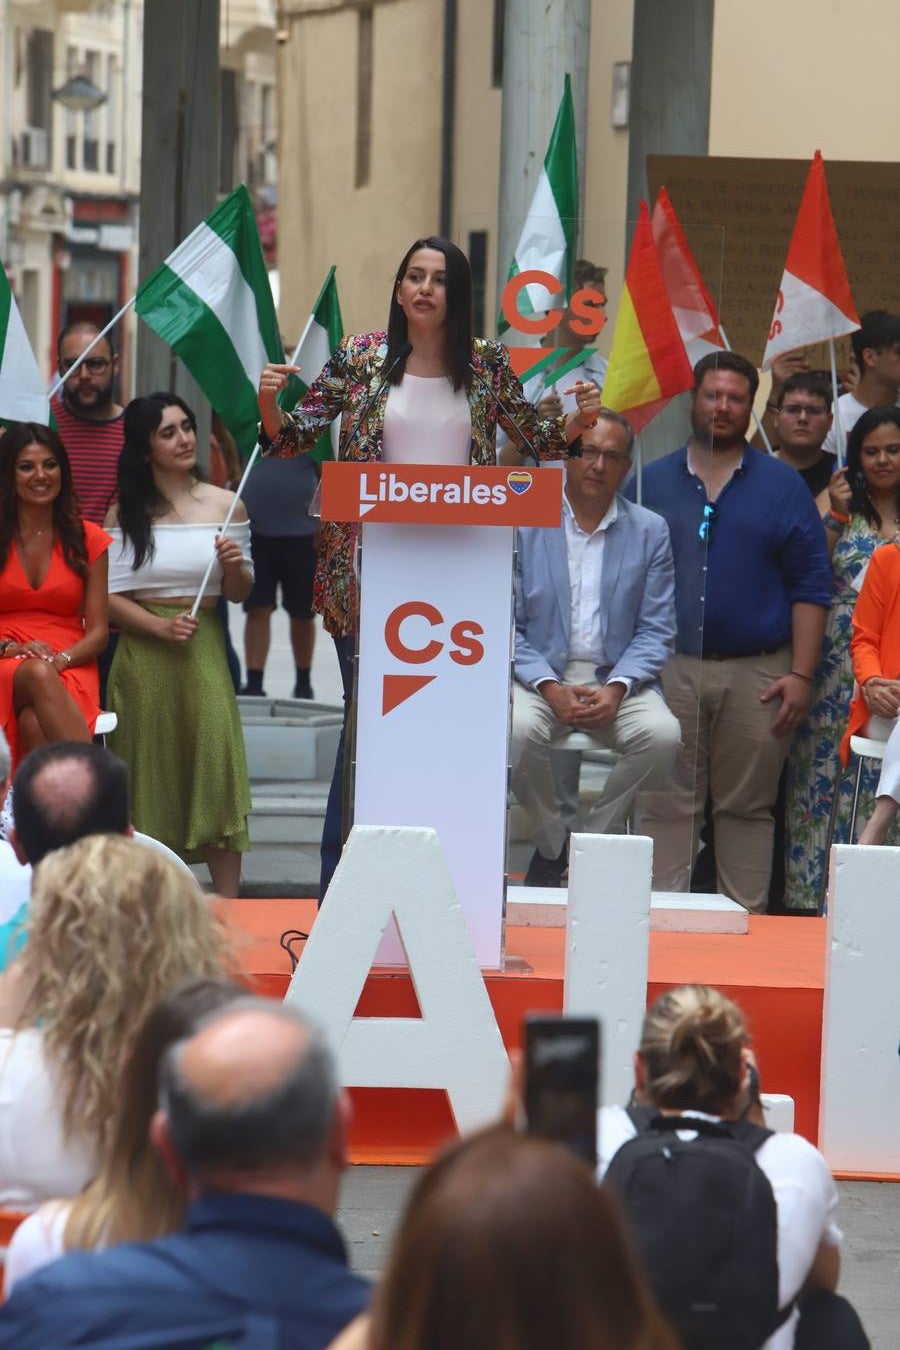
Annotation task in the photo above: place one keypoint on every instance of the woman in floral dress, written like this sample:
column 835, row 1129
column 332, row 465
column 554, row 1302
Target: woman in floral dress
column 873, row 475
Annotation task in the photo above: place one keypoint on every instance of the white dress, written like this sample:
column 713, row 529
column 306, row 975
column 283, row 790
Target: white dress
column 37, row 1161
column 37, row 1241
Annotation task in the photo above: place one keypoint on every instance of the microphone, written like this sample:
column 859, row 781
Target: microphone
column 495, row 398
column 402, row 354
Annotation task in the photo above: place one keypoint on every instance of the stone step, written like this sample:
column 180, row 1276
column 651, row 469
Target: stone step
column 545, row 907
column 288, row 818
column 286, row 748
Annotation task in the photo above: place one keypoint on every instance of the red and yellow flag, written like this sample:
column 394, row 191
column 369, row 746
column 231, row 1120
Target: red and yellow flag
column 693, row 306
column 648, row 364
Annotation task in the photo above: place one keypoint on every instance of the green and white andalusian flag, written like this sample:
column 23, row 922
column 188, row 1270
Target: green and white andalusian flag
column 23, row 394
column 212, row 303
column 549, row 236
column 323, row 332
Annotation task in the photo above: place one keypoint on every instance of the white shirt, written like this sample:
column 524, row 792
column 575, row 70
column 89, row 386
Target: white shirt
column 15, row 882
column 426, row 421
column 37, row 1160
column 180, row 557
column 850, row 410
column 805, row 1195
column 585, row 556
column 37, row 1241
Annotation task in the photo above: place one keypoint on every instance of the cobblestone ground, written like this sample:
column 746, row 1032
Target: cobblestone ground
column 374, row 1197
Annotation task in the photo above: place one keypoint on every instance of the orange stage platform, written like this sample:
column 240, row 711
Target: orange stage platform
column 775, row 972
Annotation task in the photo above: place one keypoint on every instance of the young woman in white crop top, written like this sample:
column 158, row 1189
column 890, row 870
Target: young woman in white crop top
column 179, row 729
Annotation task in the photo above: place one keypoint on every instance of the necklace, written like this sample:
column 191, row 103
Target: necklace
column 34, row 534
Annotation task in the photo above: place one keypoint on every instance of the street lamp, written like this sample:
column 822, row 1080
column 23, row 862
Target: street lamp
column 80, row 94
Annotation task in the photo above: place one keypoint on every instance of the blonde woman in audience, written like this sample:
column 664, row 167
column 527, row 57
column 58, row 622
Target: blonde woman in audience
column 113, row 927
column 132, row 1198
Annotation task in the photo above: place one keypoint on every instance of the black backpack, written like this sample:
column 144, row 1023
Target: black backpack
column 704, row 1220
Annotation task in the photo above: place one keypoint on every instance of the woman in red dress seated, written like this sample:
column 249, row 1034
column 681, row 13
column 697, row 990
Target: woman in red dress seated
column 53, row 599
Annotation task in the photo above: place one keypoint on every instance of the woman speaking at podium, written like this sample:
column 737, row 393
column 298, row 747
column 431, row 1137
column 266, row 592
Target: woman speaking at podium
column 424, row 392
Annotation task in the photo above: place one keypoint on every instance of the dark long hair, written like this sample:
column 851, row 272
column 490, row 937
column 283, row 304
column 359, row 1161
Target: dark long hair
column 459, row 312
column 470, row 1264
column 67, row 522
column 861, row 501
column 140, row 500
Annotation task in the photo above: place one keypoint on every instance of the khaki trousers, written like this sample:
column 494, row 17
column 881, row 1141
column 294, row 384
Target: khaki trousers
column 644, row 733
column 728, row 751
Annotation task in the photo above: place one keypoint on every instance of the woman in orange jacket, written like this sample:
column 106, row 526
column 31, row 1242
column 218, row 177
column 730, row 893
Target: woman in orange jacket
column 875, row 649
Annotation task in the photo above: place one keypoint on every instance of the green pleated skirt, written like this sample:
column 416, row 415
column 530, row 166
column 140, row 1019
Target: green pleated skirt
column 180, row 734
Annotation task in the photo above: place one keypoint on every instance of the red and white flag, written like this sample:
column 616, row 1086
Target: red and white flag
column 693, row 306
column 814, row 302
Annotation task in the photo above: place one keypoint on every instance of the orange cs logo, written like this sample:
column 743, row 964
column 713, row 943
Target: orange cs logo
column 409, row 644
column 585, row 306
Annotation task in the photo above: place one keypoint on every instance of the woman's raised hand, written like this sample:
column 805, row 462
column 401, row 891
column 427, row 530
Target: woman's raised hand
column 588, row 401
column 273, row 379
column 271, row 382
column 180, row 629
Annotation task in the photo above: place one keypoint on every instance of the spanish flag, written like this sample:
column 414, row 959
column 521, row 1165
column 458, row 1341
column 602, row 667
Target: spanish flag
column 648, row 364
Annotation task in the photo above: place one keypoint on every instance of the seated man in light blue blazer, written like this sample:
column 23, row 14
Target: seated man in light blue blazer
column 595, row 624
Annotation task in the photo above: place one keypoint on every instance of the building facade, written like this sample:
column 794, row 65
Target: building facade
column 70, row 179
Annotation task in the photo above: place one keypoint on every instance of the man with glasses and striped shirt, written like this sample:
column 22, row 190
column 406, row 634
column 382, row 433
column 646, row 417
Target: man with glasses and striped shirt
column 90, row 421
column 752, row 591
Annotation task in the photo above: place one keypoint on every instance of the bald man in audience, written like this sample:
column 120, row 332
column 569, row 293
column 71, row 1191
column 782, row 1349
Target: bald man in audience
column 253, row 1125
column 63, row 791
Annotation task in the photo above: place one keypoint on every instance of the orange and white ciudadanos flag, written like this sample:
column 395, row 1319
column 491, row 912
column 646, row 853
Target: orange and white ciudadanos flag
column 648, row 364
column 693, row 306
column 815, row 302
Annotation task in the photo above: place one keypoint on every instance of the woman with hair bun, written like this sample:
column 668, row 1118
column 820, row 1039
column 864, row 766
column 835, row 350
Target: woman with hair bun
column 694, row 1060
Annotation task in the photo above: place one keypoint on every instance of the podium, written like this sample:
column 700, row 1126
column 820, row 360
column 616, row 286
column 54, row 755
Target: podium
column 435, row 649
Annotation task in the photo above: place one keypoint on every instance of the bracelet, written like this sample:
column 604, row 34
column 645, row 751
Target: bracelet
column 797, row 675
column 65, row 656
column 833, row 522
column 839, row 516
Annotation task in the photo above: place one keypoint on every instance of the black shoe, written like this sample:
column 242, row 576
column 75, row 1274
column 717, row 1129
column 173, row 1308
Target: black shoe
column 547, row 871
column 303, row 688
column 247, row 692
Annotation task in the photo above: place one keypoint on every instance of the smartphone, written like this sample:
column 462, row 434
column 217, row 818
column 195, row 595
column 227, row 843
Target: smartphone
column 562, row 1074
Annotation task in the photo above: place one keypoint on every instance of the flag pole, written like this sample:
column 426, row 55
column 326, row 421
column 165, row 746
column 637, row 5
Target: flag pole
column 253, row 458
column 237, row 497
column 312, row 314
column 836, row 411
column 639, row 493
column 758, row 420
column 90, row 347
column 302, row 338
